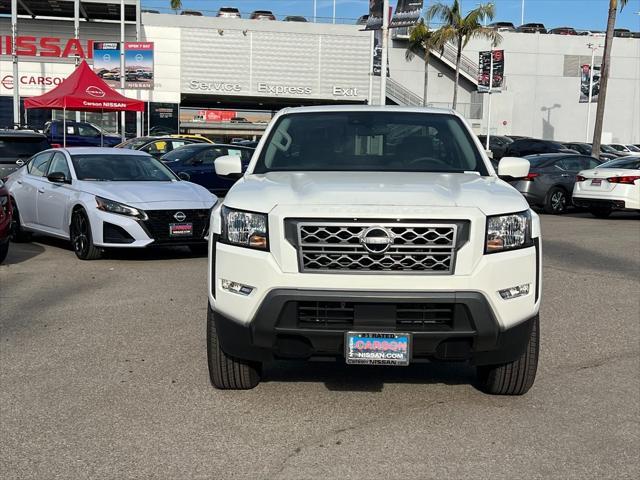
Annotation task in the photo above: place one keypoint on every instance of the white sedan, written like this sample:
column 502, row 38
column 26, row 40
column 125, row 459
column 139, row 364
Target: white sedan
column 104, row 197
column 614, row 185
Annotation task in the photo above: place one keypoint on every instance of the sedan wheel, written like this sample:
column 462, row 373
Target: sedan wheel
column 18, row 235
column 556, row 203
column 80, row 235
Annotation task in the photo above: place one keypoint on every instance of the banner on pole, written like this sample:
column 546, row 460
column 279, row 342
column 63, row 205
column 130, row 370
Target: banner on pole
column 377, row 54
column 138, row 64
column 485, row 74
column 585, row 80
column 374, row 22
column 407, row 13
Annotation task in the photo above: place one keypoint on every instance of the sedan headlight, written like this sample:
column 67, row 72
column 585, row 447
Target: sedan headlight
column 112, row 206
column 508, row 232
column 244, row 229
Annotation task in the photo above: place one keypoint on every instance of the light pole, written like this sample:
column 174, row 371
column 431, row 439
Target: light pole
column 383, row 60
column 334, row 11
column 14, row 59
column 314, row 10
column 522, row 13
column 593, row 48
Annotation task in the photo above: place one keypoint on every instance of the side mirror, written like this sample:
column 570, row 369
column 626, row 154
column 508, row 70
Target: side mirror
column 58, row 177
column 229, row 166
column 512, row 168
column 184, row 176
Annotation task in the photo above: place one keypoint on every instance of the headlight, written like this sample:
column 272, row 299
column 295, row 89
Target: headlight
column 508, row 232
column 245, row 229
column 112, row 206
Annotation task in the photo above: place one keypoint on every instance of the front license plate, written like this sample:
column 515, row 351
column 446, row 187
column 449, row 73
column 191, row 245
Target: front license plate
column 596, row 182
column 180, row 229
column 381, row 348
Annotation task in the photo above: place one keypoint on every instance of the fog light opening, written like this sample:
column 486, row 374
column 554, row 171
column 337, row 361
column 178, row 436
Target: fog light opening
column 514, row 292
column 235, row 287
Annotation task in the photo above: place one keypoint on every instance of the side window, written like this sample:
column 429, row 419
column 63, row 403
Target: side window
column 590, row 163
column 208, row 155
column 178, row 143
column 571, row 164
column 159, row 147
column 59, row 164
column 38, row 165
column 87, row 130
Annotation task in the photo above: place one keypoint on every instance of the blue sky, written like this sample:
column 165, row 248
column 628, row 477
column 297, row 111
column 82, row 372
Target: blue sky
column 582, row 14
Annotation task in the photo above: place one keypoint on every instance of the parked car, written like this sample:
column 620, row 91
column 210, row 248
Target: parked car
column 593, row 33
column 79, row 134
column 563, row 31
column 516, row 137
column 503, row 26
column 632, row 148
column 191, row 137
column 362, row 20
column 262, row 15
column 497, row 144
column 614, row 185
column 373, row 236
column 609, row 149
column 586, row 149
column 622, row 149
column 229, row 12
column 17, row 146
column 196, row 163
column 107, row 198
column 5, row 221
column 623, row 33
column 294, row 18
column 158, row 146
column 194, row 13
column 531, row 146
column 531, row 28
column 550, row 180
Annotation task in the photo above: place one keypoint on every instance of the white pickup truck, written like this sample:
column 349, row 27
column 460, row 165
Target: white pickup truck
column 373, row 235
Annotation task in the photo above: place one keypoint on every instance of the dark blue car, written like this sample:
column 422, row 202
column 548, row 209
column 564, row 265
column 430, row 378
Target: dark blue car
column 197, row 162
column 79, row 134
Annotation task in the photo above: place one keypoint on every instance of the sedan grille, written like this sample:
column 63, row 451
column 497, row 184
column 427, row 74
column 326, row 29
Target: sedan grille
column 159, row 221
column 379, row 248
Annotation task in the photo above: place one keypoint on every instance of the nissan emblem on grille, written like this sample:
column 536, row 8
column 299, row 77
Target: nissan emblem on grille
column 387, row 247
column 376, row 239
column 180, row 216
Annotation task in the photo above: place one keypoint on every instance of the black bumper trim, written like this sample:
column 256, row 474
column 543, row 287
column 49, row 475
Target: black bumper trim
column 269, row 336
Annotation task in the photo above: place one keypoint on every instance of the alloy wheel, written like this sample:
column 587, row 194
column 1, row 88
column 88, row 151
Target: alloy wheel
column 558, row 201
column 79, row 233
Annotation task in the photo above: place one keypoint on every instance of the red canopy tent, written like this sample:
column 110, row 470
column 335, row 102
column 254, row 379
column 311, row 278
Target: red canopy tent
column 85, row 91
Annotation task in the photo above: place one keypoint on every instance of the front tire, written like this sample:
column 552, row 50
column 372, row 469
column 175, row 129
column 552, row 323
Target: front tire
column 18, row 234
column 517, row 377
column 601, row 212
column 226, row 372
column 80, row 236
column 4, row 250
column 556, row 201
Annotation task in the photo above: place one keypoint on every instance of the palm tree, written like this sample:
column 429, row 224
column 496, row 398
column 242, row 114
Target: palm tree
column 459, row 30
column 421, row 40
column 176, row 5
column 604, row 75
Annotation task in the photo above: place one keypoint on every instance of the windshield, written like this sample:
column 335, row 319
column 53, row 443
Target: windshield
column 120, row 168
column 22, row 147
column 181, row 153
column 632, row 163
column 370, row 141
column 134, row 143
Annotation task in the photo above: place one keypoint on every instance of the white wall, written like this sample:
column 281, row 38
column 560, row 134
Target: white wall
column 539, row 100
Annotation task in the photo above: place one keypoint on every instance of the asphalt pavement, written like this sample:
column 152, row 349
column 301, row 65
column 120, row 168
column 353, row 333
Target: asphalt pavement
column 103, row 375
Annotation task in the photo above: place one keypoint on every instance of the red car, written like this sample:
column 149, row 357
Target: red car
column 5, row 221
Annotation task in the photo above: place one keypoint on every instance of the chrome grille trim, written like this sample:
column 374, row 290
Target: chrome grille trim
column 415, row 248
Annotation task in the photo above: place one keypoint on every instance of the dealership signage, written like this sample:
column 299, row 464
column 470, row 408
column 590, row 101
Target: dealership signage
column 31, row 80
column 215, row 87
column 271, row 89
column 490, row 71
column 28, row 46
column 345, row 91
column 138, row 64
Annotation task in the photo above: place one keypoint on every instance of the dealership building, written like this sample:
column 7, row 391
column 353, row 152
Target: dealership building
column 225, row 77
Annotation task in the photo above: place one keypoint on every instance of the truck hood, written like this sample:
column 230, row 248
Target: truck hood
column 138, row 194
column 263, row 192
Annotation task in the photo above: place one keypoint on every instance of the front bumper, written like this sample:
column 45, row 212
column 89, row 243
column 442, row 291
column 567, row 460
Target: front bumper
column 471, row 334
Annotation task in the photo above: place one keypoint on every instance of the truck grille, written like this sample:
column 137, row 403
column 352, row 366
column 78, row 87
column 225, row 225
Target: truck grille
column 377, row 247
column 408, row 316
column 157, row 225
